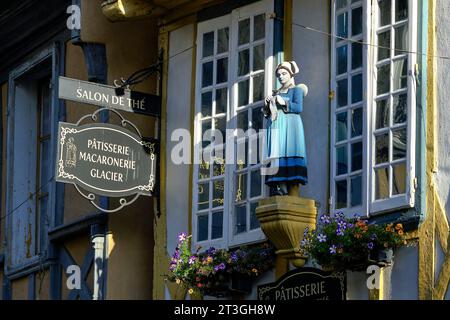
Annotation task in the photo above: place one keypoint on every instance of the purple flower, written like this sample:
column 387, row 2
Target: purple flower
column 340, row 215
column 373, row 237
column 181, row 237
column 342, row 224
column 325, row 219
column 333, row 249
column 370, row 245
column 219, row 267
column 234, row 257
column 211, row 251
column 321, row 237
column 192, row 259
column 304, row 243
column 340, row 232
column 305, row 232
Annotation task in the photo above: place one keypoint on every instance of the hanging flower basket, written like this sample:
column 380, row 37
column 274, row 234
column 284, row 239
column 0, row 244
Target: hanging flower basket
column 218, row 272
column 241, row 283
column 340, row 243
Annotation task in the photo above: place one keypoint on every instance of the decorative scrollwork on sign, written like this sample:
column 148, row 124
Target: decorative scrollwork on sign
column 93, row 177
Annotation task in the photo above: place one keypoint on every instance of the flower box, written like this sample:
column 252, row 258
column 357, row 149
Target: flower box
column 341, row 243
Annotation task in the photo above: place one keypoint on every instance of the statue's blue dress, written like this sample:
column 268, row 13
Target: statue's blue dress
column 286, row 141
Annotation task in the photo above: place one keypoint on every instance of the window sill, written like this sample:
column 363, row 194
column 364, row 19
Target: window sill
column 408, row 218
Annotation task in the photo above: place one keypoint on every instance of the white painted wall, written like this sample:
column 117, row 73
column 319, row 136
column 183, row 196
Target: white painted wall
column 443, row 98
column 178, row 116
column 404, row 277
column 311, row 52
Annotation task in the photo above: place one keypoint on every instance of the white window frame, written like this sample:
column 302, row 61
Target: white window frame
column 369, row 205
column 231, row 21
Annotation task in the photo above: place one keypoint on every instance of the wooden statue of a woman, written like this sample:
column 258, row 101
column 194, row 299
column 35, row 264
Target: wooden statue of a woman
column 286, row 151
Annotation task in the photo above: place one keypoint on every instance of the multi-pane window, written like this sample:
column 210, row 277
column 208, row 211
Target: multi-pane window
column 233, row 54
column 373, row 111
column 349, row 108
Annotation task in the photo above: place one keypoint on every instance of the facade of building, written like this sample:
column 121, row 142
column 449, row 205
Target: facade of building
column 374, row 120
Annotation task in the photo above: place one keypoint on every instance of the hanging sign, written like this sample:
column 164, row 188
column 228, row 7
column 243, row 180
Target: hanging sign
column 305, row 284
column 105, row 96
column 106, row 160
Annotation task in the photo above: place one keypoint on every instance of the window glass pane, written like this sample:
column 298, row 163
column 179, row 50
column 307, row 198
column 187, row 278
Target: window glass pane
column 341, row 56
column 223, row 37
column 258, row 87
column 208, row 44
column 259, row 27
column 203, row 196
column 356, row 55
column 203, row 170
column 202, row 228
column 219, row 164
column 253, row 149
column 241, row 219
column 257, row 119
column 255, row 184
column 258, row 58
column 206, row 104
column 401, row 39
column 341, row 126
column 243, row 93
column 401, row 10
column 206, row 133
column 384, row 43
column 217, row 225
column 244, row 31
column 221, row 100
column 382, row 148
column 241, row 153
column 400, row 114
column 356, row 191
column 357, row 121
column 341, row 194
column 220, row 127
column 356, row 156
column 399, row 179
column 342, row 25
column 254, row 222
column 207, row 74
column 357, row 88
column 241, row 187
column 400, row 74
column 357, row 21
column 399, row 138
column 382, row 117
column 340, row 4
column 222, row 70
column 341, row 165
column 244, row 62
column 381, row 183
column 342, row 93
column 242, row 120
column 218, row 196
column 383, row 77
column 384, row 12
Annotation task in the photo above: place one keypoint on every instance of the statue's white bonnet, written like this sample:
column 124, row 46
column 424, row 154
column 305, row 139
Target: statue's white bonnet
column 290, row 66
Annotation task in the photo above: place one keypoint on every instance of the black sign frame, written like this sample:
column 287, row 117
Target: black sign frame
column 145, row 150
column 291, row 282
